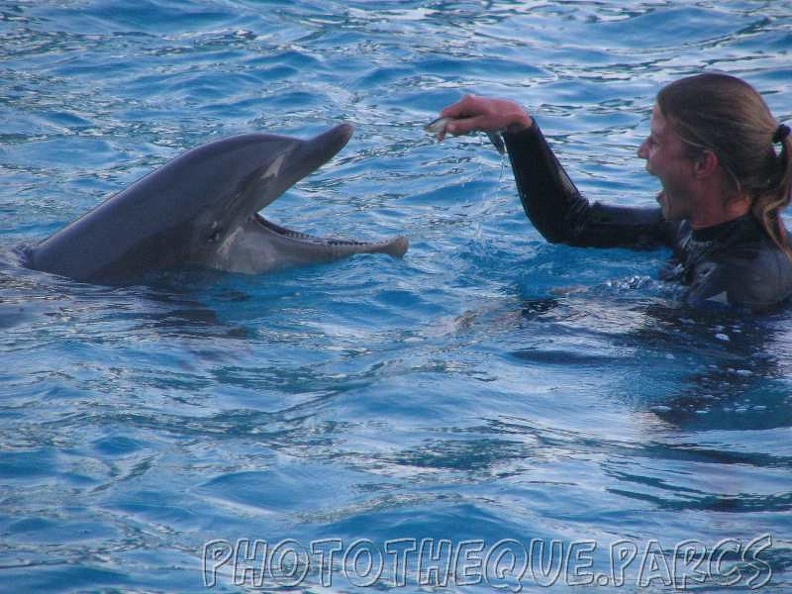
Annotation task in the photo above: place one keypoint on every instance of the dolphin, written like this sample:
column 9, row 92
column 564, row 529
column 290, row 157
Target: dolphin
column 202, row 208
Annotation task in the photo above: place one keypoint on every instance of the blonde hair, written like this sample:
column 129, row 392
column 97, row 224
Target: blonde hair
column 727, row 116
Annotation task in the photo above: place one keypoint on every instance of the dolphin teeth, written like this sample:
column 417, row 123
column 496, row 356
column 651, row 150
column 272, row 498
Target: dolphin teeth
column 395, row 247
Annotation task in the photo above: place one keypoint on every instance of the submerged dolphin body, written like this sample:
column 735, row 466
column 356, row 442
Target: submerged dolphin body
column 201, row 208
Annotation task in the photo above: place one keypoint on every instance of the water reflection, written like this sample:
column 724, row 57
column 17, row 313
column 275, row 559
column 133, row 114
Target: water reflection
column 728, row 367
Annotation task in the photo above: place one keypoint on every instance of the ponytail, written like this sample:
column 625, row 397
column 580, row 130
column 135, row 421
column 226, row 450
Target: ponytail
column 767, row 205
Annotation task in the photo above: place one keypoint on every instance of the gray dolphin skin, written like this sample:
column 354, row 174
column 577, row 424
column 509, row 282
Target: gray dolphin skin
column 202, row 208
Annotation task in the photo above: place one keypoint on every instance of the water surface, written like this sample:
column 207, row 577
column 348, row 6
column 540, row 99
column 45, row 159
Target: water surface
column 486, row 394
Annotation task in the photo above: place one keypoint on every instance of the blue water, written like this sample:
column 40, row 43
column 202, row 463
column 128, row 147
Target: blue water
column 491, row 413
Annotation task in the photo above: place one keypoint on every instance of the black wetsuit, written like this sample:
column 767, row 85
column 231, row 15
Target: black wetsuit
column 735, row 262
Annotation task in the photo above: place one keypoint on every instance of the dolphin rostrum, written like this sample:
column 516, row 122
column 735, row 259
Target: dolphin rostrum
column 201, row 208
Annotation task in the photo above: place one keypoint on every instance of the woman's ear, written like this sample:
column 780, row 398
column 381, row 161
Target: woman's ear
column 706, row 164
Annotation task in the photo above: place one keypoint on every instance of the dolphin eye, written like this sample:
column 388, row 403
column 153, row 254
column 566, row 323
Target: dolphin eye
column 213, row 234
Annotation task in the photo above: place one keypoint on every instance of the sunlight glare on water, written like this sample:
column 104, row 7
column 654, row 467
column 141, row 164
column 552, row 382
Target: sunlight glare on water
column 486, row 392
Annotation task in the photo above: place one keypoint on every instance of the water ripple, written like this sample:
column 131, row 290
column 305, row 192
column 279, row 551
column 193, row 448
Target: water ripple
column 488, row 386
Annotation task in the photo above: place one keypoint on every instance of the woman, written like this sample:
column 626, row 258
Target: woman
column 713, row 147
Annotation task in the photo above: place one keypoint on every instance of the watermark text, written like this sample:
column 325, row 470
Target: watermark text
column 508, row 564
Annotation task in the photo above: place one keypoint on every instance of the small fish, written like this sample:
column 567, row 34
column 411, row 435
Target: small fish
column 438, row 126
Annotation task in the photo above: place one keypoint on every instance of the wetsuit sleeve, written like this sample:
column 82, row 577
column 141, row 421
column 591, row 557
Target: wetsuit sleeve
column 559, row 212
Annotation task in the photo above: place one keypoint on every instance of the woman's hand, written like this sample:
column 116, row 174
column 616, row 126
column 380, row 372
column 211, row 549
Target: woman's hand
column 482, row 114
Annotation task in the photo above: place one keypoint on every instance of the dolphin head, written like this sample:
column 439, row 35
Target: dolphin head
column 230, row 180
column 202, row 208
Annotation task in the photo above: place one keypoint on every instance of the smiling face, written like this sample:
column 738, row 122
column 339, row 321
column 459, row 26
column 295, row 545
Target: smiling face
column 668, row 159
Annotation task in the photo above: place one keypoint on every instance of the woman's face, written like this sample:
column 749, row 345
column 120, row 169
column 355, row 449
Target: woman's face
column 667, row 159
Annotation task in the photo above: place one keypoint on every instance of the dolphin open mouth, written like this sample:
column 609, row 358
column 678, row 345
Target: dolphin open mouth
column 259, row 245
column 395, row 247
